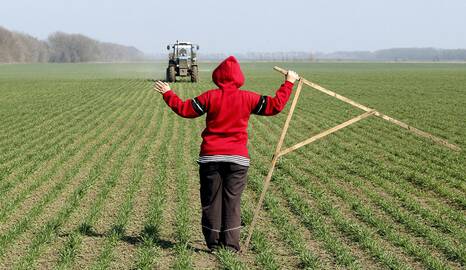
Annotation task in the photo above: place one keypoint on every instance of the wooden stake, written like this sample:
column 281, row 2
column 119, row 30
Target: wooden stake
column 272, row 165
column 378, row 114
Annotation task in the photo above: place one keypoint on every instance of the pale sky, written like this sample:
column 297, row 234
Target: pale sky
column 248, row 25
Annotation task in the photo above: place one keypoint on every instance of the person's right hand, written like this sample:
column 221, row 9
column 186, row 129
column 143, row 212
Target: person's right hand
column 292, row 76
column 161, row 87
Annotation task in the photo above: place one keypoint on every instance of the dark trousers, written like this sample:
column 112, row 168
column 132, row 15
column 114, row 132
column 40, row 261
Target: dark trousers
column 221, row 186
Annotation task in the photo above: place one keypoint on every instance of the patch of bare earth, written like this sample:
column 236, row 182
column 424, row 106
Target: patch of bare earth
column 45, row 187
column 399, row 228
column 51, row 252
column 167, row 253
column 50, row 211
column 312, row 244
column 127, row 250
column 53, row 249
column 42, row 169
column 366, row 259
column 115, row 198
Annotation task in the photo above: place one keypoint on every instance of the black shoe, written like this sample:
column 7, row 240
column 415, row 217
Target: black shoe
column 214, row 249
column 231, row 249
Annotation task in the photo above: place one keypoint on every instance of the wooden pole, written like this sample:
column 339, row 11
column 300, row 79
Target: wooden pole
column 418, row 132
column 325, row 133
column 272, row 165
column 376, row 113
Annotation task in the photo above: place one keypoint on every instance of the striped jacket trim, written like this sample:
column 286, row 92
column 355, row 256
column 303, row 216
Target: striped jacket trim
column 198, row 107
column 240, row 160
column 261, row 105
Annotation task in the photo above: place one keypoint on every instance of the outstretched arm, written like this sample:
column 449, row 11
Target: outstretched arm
column 189, row 108
column 266, row 105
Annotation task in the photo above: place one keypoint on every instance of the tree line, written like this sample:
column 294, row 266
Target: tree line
column 394, row 54
column 398, row 54
column 61, row 47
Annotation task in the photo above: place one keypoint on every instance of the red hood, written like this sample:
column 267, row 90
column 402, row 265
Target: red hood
column 228, row 74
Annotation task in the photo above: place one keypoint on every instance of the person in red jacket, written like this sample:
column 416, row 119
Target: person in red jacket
column 224, row 159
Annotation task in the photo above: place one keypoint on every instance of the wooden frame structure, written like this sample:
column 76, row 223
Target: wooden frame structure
column 279, row 152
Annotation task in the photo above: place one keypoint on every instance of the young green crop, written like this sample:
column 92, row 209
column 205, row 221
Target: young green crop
column 51, row 229
column 64, row 157
column 369, row 196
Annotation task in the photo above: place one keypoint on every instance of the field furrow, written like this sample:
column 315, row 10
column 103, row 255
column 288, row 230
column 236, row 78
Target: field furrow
column 87, row 174
column 127, row 250
column 322, row 163
column 118, row 208
column 39, row 138
column 44, row 116
column 97, row 172
column 411, row 201
column 69, row 160
column 152, row 251
column 33, row 253
column 321, row 229
column 53, row 165
column 49, row 120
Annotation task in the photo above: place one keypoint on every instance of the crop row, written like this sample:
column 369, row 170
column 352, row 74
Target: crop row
column 332, row 162
column 77, row 194
column 149, row 250
column 55, row 143
column 55, row 166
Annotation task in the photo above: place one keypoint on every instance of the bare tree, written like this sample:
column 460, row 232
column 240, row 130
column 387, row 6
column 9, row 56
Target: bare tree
column 61, row 47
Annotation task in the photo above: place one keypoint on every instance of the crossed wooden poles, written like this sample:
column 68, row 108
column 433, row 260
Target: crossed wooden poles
column 279, row 152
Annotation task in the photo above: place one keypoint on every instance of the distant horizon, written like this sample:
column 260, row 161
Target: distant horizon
column 246, row 52
column 77, row 47
column 248, row 26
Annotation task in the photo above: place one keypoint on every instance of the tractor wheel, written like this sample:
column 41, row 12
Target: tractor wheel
column 171, row 74
column 194, row 74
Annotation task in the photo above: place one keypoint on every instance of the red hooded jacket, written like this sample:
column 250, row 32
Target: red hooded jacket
column 228, row 109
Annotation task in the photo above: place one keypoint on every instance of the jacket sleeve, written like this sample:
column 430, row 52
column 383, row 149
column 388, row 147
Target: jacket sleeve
column 266, row 105
column 189, row 108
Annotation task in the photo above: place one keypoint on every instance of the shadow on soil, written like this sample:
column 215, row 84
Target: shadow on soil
column 148, row 235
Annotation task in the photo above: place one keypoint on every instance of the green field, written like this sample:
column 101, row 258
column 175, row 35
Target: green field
column 97, row 172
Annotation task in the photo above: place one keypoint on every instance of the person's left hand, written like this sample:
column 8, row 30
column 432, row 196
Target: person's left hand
column 292, row 76
column 161, row 87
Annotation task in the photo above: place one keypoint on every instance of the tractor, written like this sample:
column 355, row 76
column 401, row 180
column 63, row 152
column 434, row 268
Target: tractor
column 182, row 61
